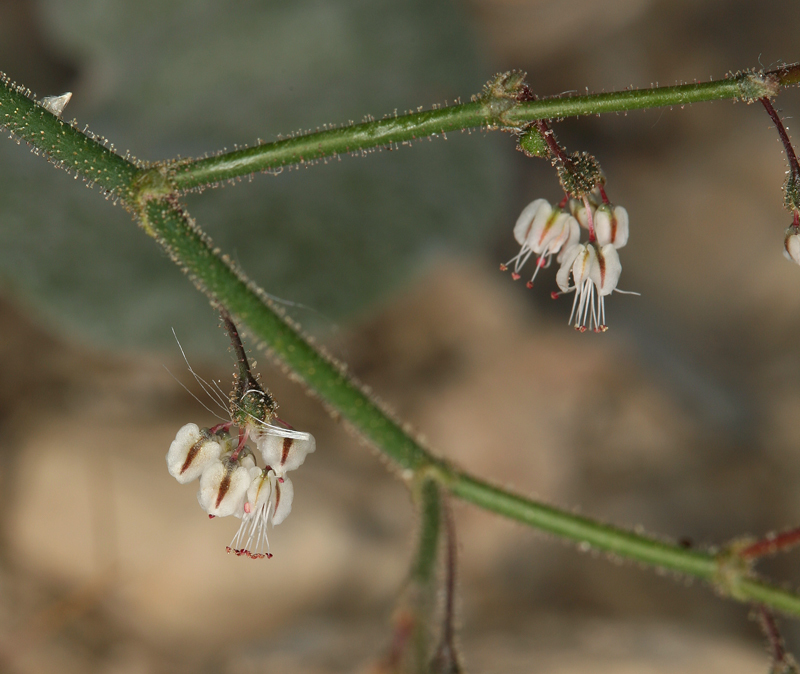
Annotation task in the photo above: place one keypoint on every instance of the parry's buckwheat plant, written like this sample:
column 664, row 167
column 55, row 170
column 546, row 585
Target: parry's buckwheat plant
column 252, row 483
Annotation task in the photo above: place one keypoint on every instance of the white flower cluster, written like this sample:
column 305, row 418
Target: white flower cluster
column 594, row 266
column 231, row 483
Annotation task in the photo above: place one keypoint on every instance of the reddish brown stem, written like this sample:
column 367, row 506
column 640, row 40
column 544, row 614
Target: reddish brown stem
column 238, row 347
column 786, row 75
column 769, row 627
column 787, row 143
column 446, row 660
column 555, row 149
column 772, row 544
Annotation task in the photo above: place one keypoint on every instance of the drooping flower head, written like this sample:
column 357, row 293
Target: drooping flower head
column 594, row 266
column 231, row 483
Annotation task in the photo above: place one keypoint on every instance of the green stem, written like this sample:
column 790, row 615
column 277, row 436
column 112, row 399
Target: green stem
column 491, row 110
column 586, row 532
column 64, row 144
column 429, row 506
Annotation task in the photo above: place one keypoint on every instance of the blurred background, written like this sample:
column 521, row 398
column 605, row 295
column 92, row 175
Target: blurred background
column 682, row 419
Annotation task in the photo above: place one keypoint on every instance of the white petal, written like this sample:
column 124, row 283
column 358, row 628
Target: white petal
column 283, row 454
column 611, row 225
column 578, row 209
column 525, row 220
column 260, row 488
column 547, row 235
column 569, row 255
column 573, row 231
column 622, row 227
column 584, row 263
column 606, row 269
column 283, row 493
column 546, row 226
column 563, row 232
column 792, row 245
column 223, row 488
column 190, row 452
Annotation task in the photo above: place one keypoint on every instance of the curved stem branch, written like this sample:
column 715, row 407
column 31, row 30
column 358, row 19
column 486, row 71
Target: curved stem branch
column 150, row 195
column 784, row 136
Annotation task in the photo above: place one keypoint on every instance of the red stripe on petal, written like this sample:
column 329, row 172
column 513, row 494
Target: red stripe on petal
column 601, row 262
column 223, row 487
column 193, row 451
column 287, row 445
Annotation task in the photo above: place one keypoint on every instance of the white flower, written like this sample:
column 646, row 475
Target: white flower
column 286, row 451
column 224, row 484
column 595, row 272
column 190, row 452
column 269, row 501
column 543, row 230
column 792, row 244
column 611, row 225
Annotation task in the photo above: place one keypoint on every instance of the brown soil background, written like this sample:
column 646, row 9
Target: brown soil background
column 682, row 419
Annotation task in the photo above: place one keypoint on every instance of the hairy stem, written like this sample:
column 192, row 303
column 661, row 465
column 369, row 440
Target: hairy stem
column 245, row 375
column 784, row 136
column 446, row 660
column 772, row 544
column 64, row 144
column 430, row 519
column 483, row 112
